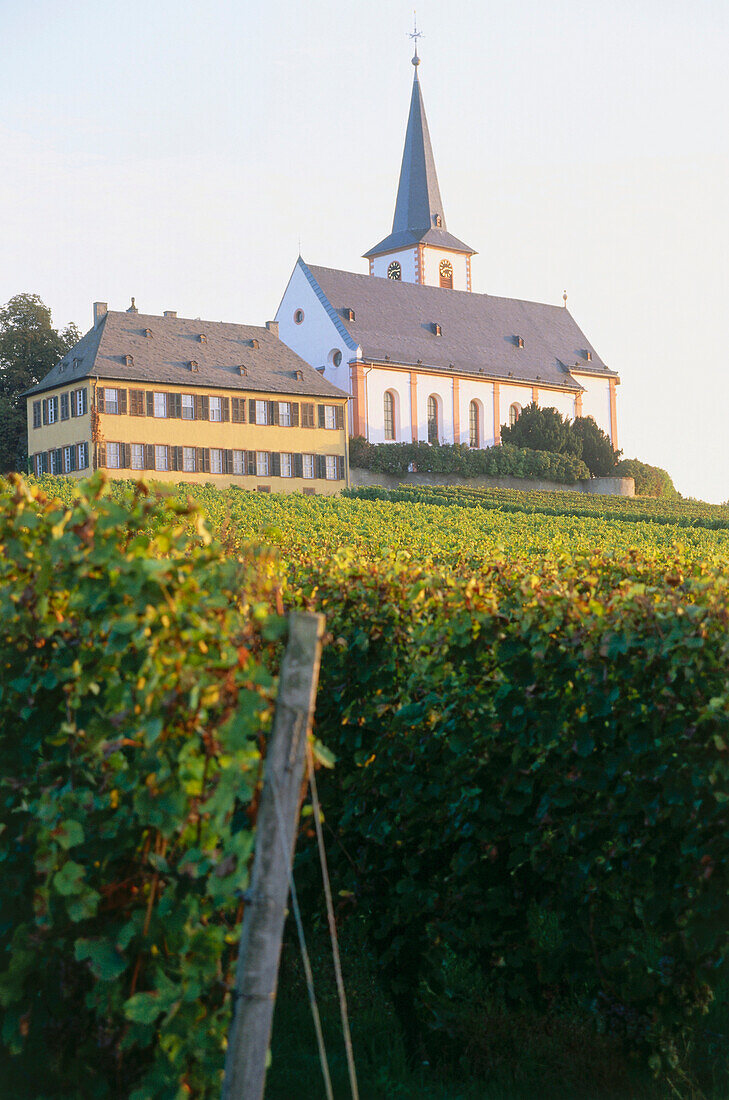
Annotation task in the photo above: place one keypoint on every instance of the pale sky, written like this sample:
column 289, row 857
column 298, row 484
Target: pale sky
column 180, row 151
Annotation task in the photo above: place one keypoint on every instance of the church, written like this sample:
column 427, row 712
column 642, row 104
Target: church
column 421, row 356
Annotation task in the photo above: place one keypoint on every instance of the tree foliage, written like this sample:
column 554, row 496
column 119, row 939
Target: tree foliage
column 29, row 347
column 547, row 430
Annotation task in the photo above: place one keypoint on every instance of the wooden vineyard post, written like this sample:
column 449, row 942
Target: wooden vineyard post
column 276, row 828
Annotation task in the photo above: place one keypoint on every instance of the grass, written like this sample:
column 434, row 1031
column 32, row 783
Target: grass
column 488, row 1055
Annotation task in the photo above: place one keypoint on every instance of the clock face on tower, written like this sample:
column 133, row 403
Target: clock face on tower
column 394, row 271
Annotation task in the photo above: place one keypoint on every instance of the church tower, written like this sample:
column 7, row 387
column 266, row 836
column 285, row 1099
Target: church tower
column 420, row 249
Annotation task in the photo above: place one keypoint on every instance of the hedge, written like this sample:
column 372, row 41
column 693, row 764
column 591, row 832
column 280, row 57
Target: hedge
column 449, row 458
column 135, row 695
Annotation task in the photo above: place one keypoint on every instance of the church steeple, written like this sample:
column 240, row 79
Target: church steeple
column 419, row 220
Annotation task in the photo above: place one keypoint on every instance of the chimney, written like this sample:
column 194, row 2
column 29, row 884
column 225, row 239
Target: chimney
column 170, row 313
column 272, row 327
column 100, row 310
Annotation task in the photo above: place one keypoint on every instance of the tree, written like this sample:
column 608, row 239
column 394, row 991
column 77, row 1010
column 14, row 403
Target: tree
column 29, row 348
column 542, row 430
column 597, row 449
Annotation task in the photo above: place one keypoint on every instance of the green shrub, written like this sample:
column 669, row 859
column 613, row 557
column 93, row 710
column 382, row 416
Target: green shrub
column 448, row 458
column 134, row 693
column 650, row 481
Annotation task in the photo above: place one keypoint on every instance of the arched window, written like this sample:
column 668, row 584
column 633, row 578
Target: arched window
column 389, row 401
column 445, row 270
column 474, row 427
column 394, row 271
column 433, row 431
column 514, row 413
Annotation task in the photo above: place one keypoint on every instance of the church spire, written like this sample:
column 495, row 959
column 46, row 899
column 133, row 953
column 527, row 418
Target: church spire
column 419, row 220
column 419, row 206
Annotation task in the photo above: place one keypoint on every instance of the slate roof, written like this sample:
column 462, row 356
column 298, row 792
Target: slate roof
column 479, row 333
column 165, row 356
column 418, row 194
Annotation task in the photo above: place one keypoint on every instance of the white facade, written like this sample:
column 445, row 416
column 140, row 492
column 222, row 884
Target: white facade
column 318, row 337
column 406, row 257
column 459, row 261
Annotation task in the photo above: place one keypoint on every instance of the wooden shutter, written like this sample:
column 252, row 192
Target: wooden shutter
column 100, row 397
column 225, row 407
column 150, row 407
column 100, row 455
column 179, row 458
column 322, row 416
column 272, row 412
column 339, row 416
column 251, row 411
column 340, row 467
column 250, row 462
column 122, row 401
column 238, row 410
column 64, row 406
column 124, row 462
column 298, row 466
column 321, row 466
column 294, row 414
column 136, row 402
column 176, row 405
column 59, row 461
column 44, row 403
column 206, row 460
column 205, row 404
column 275, row 464
column 148, row 456
column 72, row 458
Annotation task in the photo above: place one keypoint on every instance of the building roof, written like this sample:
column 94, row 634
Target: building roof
column 164, row 357
column 419, row 205
column 395, row 322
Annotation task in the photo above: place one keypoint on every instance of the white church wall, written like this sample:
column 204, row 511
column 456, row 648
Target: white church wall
column 564, row 403
column 511, row 394
column 377, row 383
column 431, row 261
column 317, row 338
column 596, row 399
column 483, row 392
column 407, row 260
column 442, row 390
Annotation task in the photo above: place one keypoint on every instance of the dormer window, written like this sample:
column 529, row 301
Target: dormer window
column 299, row 375
column 394, row 271
column 148, row 332
column 438, row 221
column 203, row 338
column 76, row 364
column 254, row 343
column 445, row 270
column 588, row 356
column 436, row 329
column 194, row 367
column 348, row 313
column 519, row 341
column 129, row 359
column 242, row 369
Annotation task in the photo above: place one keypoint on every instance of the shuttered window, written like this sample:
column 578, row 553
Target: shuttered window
column 136, row 457
column 216, row 460
column 36, row 414
column 238, row 407
column 307, row 415
column 188, row 406
column 161, row 457
column 160, row 406
column 188, row 459
column 216, row 409
column 287, row 465
column 308, row 461
column 64, row 406
column 136, row 402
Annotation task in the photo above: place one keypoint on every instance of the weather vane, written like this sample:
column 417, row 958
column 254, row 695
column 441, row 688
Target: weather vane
column 416, row 34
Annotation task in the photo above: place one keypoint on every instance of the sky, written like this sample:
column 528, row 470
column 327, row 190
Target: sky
column 184, row 152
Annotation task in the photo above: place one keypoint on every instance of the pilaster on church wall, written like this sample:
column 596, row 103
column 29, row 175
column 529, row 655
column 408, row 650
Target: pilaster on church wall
column 407, row 258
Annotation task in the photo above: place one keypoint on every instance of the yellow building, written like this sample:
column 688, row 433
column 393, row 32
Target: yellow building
column 189, row 400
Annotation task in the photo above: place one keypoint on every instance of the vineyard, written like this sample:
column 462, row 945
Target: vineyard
column 526, row 696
